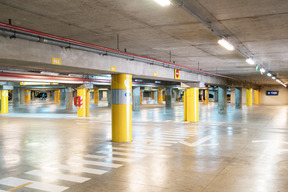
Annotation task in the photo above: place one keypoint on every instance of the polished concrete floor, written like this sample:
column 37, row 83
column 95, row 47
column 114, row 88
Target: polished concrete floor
column 45, row 148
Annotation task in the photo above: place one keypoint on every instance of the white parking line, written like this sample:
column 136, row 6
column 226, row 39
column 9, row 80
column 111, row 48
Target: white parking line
column 14, row 182
column 60, row 176
column 121, row 153
column 146, row 146
column 131, row 149
column 80, row 169
column 128, row 160
column 99, row 163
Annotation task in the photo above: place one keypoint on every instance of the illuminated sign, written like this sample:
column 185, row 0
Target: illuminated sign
column 177, row 74
column 272, row 93
column 56, row 61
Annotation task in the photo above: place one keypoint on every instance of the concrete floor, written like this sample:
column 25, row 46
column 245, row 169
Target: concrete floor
column 246, row 150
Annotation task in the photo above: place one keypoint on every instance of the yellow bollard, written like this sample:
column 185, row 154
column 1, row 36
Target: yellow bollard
column 249, row 96
column 27, row 96
column 191, row 105
column 83, row 110
column 160, row 96
column 96, row 96
column 121, row 107
column 4, row 101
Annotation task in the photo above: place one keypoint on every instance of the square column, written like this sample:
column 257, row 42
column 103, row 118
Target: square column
column 160, row 96
column 4, row 101
column 257, row 99
column 69, row 98
column 16, row 97
column 121, row 85
column 96, row 96
column 27, row 96
column 62, row 97
column 83, row 110
column 191, row 104
column 238, row 97
column 249, row 96
column 168, row 98
column 222, row 99
column 136, row 98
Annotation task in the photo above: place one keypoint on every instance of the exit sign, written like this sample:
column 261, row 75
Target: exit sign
column 272, row 93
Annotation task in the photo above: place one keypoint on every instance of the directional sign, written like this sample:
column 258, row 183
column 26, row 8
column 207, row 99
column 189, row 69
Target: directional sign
column 56, row 61
column 272, row 93
column 176, row 74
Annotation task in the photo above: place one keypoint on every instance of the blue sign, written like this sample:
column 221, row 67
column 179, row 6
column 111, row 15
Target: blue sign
column 272, row 93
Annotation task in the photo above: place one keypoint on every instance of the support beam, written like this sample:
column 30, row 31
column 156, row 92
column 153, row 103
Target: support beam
column 160, row 96
column 4, row 101
column 83, row 111
column 69, row 98
column 22, row 96
column 27, row 96
column 16, row 97
column 222, row 99
column 62, row 97
column 96, row 96
column 249, row 96
column 257, row 99
column 238, row 97
column 121, row 107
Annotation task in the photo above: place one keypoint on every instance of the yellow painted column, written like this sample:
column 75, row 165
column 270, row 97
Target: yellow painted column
column 185, row 104
column 141, row 95
column 121, row 107
column 27, row 96
column 4, row 101
column 191, row 105
column 257, row 99
column 83, row 110
column 249, row 96
column 57, row 95
column 96, row 96
column 206, row 96
column 160, row 96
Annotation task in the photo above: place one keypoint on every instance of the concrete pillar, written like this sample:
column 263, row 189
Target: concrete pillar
column 238, row 97
column 62, row 97
column 121, row 85
column 136, row 98
column 96, row 96
column 16, row 97
column 222, row 99
column 100, row 95
column 156, row 97
column 22, row 96
column 216, row 96
column 27, row 96
column 109, row 96
column 53, row 96
column 249, row 97
column 160, row 96
column 191, row 104
column 83, row 110
column 168, row 98
column 69, row 98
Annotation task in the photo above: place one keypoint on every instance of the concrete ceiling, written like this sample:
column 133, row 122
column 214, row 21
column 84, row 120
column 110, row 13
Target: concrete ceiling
column 146, row 28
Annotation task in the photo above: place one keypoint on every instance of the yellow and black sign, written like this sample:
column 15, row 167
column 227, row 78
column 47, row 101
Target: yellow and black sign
column 176, row 74
column 113, row 68
column 155, row 74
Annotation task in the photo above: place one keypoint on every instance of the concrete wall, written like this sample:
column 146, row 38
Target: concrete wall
column 281, row 99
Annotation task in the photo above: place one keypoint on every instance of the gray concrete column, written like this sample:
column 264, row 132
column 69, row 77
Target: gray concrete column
column 52, row 97
column 22, row 96
column 69, row 98
column 238, row 97
column 136, row 98
column 156, row 97
column 109, row 95
column 62, row 97
column 168, row 98
column 216, row 96
column 100, row 95
column 16, row 97
column 222, row 99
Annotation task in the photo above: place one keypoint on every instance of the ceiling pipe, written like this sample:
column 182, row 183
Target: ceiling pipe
column 23, row 33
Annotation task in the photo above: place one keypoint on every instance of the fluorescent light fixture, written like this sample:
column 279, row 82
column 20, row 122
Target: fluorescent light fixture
column 226, row 44
column 163, row 3
column 138, row 80
column 250, row 61
column 75, row 75
column 278, row 81
column 269, row 74
column 34, row 83
column 49, row 73
column 262, row 70
column 273, row 77
column 157, row 81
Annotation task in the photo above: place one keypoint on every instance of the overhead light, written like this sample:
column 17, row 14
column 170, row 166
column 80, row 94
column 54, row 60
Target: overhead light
column 269, row 74
column 138, row 80
column 262, row 70
column 49, row 73
column 75, row 75
column 273, row 77
column 163, row 3
column 278, row 81
column 226, row 44
column 250, row 61
column 34, row 83
column 157, row 81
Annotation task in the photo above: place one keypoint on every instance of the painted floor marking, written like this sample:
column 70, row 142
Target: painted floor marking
column 260, row 141
column 171, row 136
column 154, row 140
column 197, row 143
column 19, row 187
column 127, row 160
column 131, row 149
column 80, row 169
column 14, row 182
column 3, row 191
column 152, row 143
column 99, row 163
column 163, row 138
column 147, row 146
column 121, row 153
column 177, row 135
column 61, row 176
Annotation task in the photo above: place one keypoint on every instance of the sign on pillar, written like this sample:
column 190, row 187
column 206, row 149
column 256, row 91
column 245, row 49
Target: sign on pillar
column 191, row 105
column 4, row 101
column 82, row 101
column 121, row 86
